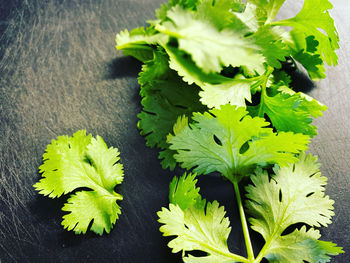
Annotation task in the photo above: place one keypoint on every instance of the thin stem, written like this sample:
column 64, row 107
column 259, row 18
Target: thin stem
column 235, row 257
column 263, row 91
column 164, row 30
column 284, row 22
column 133, row 46
column 248, row 243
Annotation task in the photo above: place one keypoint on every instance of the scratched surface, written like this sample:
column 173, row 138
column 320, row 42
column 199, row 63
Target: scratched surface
column 60, row 73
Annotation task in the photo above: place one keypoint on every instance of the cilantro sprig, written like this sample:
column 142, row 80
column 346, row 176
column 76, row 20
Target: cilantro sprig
column 273, row 204
column 203, row 62
column 81, row 161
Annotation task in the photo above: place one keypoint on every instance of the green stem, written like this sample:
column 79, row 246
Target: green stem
column 262, row 253
column 285, row 22
column 263, row 91
column 164, row 30
column 235, row 257
column 133, row 46
column 248, row 243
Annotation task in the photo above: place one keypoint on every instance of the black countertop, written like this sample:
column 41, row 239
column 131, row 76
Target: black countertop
column 60, row 73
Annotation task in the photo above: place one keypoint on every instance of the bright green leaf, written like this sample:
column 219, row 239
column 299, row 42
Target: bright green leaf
column 290, row 111
column 314, row 20
column 137, row 42
column 199, row 227
column 294, row 195
column 82, row 161
column 234, row 92
column 183, row 191
column 229, row 141
column 267, row 9
column 210, row 48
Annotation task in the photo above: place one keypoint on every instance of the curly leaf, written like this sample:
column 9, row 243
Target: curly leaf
column 290, row 111
column 294, row 195
column 314, row 20
column 229, row 141
column 165, row 98
column 81, row 161
column 197, row 225
column 210, row 48
column 183, row 191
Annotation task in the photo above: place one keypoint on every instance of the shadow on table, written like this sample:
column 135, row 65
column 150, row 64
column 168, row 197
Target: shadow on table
column 122, row 67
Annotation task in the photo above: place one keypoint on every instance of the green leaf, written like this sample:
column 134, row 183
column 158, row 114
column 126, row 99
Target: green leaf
column 229, row 141
column 270, row 41
column 201, row 227
column 301, row 246
column 220, row 14
column 189, row 71
column 234, row 92
column 197, row 229
column 197, row 224
column 314, row 20
column 161, row 13
column 154, row 69
column 167, row 159
column 210, row 48
column 313, row 63
column 165, row 98
column 137, row 42
column 82, row 161
column 87, row 206
column 290, row 111
column 268, row 9
column 183, row 191
column 294, row 195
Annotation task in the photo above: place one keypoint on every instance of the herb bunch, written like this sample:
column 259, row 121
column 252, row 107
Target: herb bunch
column 216, row 98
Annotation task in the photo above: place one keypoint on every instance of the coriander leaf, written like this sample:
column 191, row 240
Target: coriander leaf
column 161, row 13
column 234, row 92
column 137, row 42
column 167, row 155
column 220, row 14
column 167, row 159
column 82, row 161
column 270, row 41
column 252, row 16
column 294, row 195
column 197, row 228
column 189, row 71
column 308, row 103
column 313, row 63
column 300, row 246
column 155, row 68
column 187, row 4
column 290, row 111
column 216, row 89
column 87, row 206
column 268, row 9
column 183, row 191
column 229, row 141
column 165, row 97
column 200, row 227
column 164, row 101
column 281, row 78
column 210, row 48
column 314, row 20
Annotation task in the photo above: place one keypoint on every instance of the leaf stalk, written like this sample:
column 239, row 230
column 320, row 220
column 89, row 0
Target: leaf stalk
column 247, row 240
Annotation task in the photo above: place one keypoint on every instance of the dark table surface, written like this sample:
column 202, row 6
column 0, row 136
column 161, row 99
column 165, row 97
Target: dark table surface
column 60, row 73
